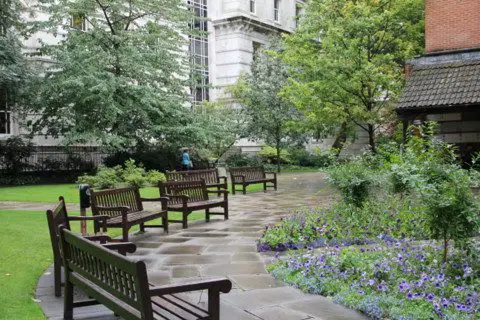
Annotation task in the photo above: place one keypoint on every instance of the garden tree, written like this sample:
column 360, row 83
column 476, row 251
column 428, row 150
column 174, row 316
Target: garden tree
column 347, row 60
column 271, row 117
column 119, row 72
column 13, row 65
column 219, row 126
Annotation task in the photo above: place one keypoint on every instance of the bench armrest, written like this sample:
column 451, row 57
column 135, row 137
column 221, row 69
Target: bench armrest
column 223, row 285
column 100, row 238
column 161, row 199
column 82, row 218
column 121, row 247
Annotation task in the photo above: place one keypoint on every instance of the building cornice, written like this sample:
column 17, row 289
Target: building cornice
column 248, row 23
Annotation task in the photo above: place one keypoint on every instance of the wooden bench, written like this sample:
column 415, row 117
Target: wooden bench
column 124, row 209
column 245, row 176
column 122, row 285
column 211, row 177
column 58, row 217
column 189, row 196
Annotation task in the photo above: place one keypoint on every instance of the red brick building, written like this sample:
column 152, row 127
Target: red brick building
column 444, row 84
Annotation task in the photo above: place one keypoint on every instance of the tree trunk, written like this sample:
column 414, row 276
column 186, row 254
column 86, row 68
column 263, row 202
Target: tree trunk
column 371, row 138
column 340, row 139
column 278, row 155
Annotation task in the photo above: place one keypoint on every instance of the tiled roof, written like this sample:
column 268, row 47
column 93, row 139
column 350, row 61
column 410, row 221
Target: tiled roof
column 442, row 85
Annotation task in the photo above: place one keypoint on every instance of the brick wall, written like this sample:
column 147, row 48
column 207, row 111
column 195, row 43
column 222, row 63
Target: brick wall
column 452, row 24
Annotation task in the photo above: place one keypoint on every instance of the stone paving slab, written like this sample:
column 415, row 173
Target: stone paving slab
column 227, row 248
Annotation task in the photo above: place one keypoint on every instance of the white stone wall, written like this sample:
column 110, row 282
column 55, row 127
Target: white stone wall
column 232, row 31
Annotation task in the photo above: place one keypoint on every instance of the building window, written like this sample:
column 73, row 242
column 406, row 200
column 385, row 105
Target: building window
column 5, row 124
column 199, row 77
column 252, row 6
column 298, row 12
column 276, row 10
column 78, row 22
column 256, row 46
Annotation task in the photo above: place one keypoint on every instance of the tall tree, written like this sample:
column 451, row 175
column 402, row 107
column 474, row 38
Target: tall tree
column 220, row 125
column 13, row 65
column 271, row 117
column 347, row 58
column 119, row 71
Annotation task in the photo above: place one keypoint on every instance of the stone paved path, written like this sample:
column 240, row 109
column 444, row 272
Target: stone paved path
column 227, row 248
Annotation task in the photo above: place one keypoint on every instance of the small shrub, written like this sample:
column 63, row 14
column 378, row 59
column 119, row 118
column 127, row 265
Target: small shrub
column 243, row 160
column 129, row 175
column 269, row 155
column 154, row 177
column 14, row 152
column 353, row 180
column 451, row 207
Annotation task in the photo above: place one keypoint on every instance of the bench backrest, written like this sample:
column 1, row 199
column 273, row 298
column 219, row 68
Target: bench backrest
column 250, row 173
column 109, row 271
column 209, row 175
column 57, row 217
column 196, row 190
column 128, row 197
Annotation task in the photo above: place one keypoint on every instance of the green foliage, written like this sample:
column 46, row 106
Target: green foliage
column 14, row 152
column 219, row 127
column 243, row 160
column 269, row 155
column 119, row 81
column 157, row 157
column 452, row 210
column 14, row 71
column 353, row 180
column 347, row 58
column 129, row 175
column 271, row 117
column 154, row 177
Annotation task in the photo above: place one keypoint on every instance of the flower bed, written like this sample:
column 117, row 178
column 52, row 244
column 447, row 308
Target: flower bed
column 343, row 224
column 391, row 280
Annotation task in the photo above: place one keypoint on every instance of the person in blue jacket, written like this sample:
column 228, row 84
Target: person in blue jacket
column 186, row 162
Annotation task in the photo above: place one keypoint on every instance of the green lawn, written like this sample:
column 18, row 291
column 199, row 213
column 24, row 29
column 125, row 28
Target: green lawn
column 50, row 192
column 25, row 252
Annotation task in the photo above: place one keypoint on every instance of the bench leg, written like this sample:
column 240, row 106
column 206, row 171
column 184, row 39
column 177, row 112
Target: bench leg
column 218, row 193
column 207, row 215
column 244, row 189
column 214, row 304
column 264, row 187
column 165, row 224
column 185, row 220
column 57, row 275
column 125, row 234
column 142, row 227
column 233, row 188
column 226, row 210
column 68, row 302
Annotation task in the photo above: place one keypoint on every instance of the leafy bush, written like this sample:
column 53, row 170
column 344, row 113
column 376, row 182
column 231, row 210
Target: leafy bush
column 243, row 160
column 269, row 155
column 129, row 175
column 14, row 152
column 318, row 158
column 353, row 180
column 452, row 210
column 154, row 177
